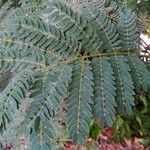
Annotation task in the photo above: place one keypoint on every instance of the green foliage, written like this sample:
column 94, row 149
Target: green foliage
column 94, row 131
column 104, row 91
column 105, row 27
column 79, row 100
column 4, row 9
column 74, row 24
column 42, row 137
column 13, row 95
column 84, row 56
column 127, row 29
column 124, row 84
column 136, row 125
column 139, row 74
